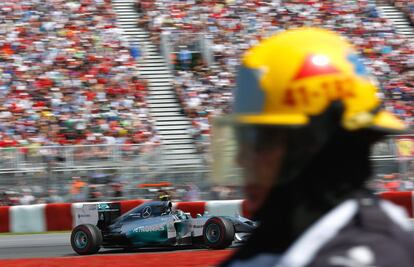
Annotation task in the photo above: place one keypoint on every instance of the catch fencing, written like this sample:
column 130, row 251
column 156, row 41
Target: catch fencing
column 52, row 167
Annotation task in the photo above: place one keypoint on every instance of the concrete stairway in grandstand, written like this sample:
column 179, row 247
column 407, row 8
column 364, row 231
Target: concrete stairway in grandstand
column 398, row 18
column 163, row 105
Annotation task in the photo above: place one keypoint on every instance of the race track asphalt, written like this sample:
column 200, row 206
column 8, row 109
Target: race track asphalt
column 35, row 246
column 56, row 245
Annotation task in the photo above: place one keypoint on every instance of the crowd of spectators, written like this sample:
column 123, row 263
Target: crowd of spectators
column 407, row 6
column 235, row 25
column 28, row 196
column 67, row 77
column 97, row 186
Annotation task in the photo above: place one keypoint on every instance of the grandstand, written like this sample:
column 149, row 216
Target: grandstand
column 403, row 5
column 169, row 121
column 132, row 85
column 204, row 87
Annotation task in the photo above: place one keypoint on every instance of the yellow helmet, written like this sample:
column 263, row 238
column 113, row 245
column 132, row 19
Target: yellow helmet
column 297, row 74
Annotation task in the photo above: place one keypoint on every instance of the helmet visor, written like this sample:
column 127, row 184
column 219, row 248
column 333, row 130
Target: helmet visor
column 248, row 158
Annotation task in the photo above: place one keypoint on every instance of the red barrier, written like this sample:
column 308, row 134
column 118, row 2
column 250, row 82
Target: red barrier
column 4, row 220
column 403, row 199
column 245, row 210
column 127, row 205
column 192, row 207
column 58, row 216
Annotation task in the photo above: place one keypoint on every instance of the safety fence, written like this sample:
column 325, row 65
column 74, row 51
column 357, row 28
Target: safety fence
column 394, row 155
column 107, row 168
column 78, row 157
column 54, row 158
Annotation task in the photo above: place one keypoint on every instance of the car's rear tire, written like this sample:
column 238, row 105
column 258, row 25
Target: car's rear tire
column 218, row 233
column 86, row 239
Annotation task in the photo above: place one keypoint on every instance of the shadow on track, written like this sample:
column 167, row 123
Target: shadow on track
column 141, row 250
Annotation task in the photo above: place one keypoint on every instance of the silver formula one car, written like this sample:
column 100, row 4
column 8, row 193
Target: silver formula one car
column 154, row 224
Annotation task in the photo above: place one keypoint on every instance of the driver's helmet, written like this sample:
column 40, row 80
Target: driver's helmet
column 164, row 196
column 166, row 207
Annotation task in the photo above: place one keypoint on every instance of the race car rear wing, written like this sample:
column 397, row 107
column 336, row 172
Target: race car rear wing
column 99, row 214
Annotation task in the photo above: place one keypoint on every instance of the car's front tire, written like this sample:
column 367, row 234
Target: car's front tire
column 86, row 239
column 218, row 233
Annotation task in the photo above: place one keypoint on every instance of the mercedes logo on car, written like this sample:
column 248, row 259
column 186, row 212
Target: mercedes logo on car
column 146, row 212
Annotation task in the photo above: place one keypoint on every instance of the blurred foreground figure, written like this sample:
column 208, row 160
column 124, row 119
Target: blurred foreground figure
column 306, row 113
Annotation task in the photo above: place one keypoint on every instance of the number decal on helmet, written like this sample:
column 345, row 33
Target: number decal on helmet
column 334, row 89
